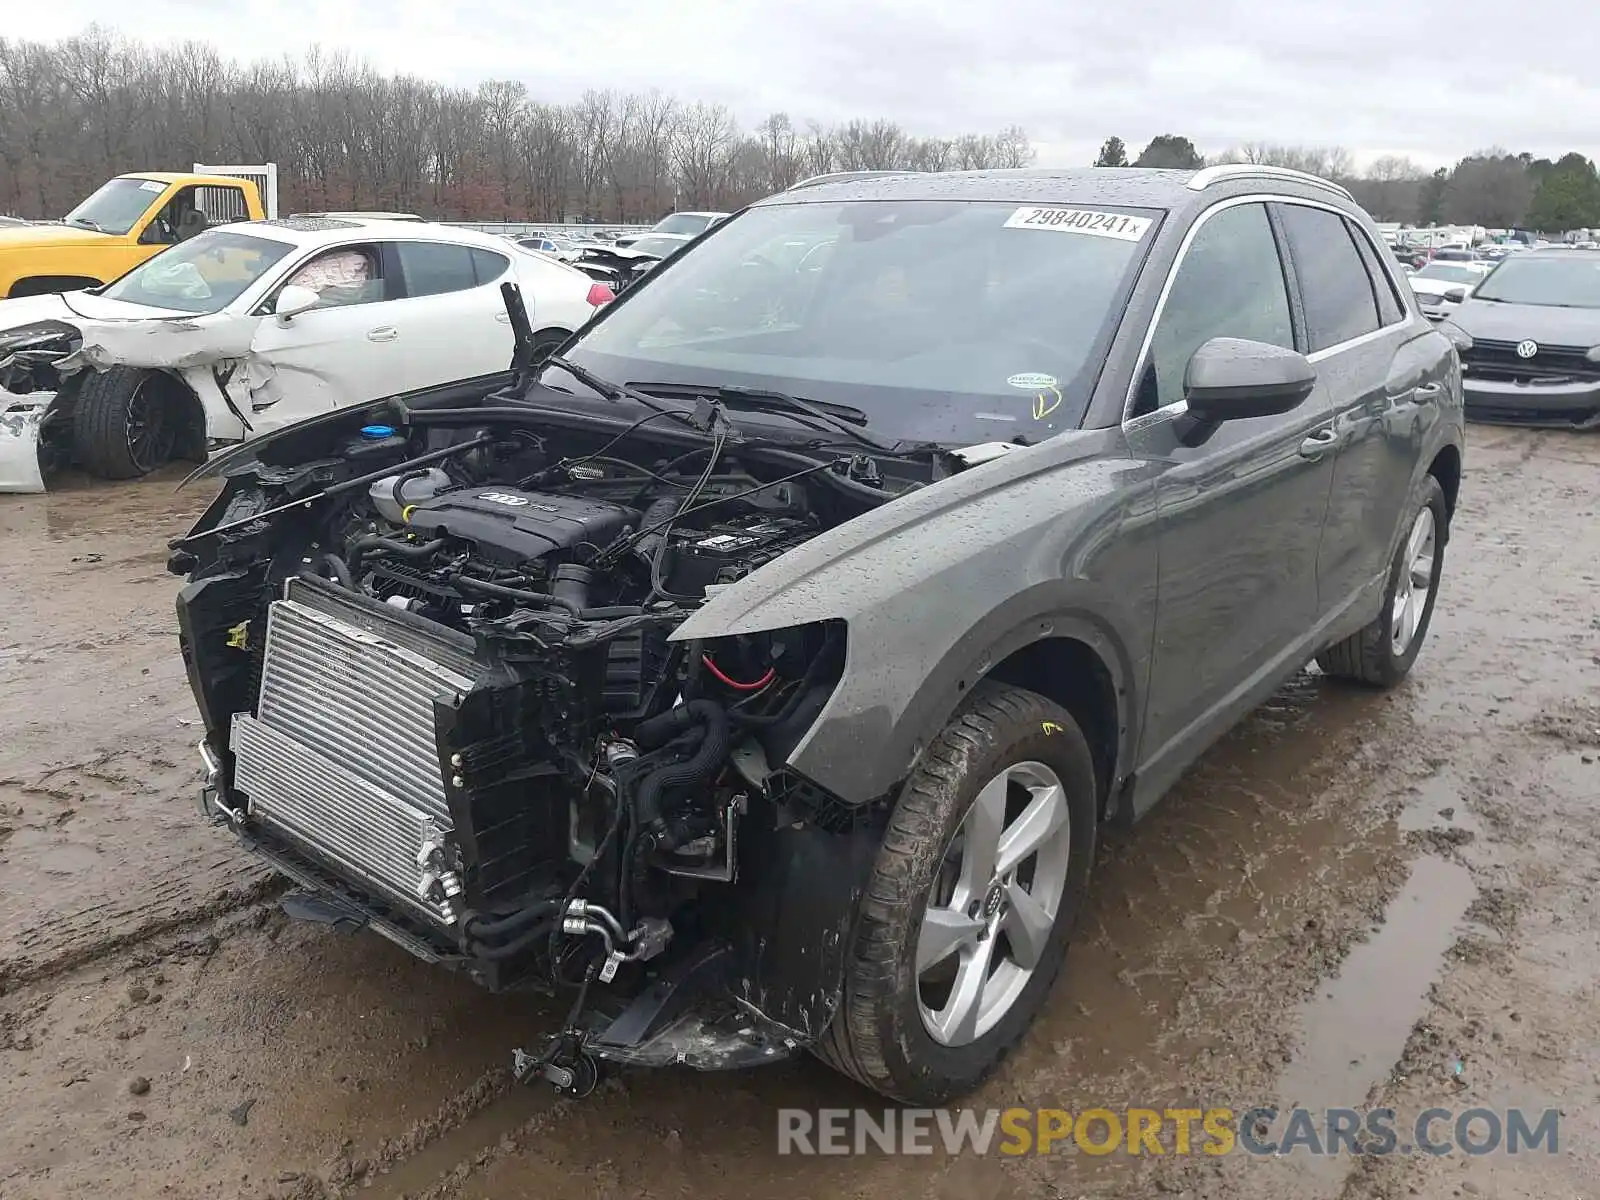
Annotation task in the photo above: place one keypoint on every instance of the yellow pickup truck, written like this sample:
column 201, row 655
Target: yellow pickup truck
column 129, row 219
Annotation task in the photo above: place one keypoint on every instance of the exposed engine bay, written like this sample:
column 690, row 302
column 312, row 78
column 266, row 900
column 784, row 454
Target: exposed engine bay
column 434, row 657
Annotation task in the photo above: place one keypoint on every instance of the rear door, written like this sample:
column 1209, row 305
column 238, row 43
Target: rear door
column 1381, row 373
column 453, row 323
column 1240, row 505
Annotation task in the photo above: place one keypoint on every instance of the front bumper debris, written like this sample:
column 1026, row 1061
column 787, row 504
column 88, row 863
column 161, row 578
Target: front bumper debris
column 20, row 421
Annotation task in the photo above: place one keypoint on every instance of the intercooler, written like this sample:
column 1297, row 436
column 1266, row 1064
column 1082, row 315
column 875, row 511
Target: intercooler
column 341, row 755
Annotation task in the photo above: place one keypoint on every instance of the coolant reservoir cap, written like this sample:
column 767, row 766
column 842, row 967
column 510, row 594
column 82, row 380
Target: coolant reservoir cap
column 377, row 431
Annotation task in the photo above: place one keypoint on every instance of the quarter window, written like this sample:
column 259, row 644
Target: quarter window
column 1334, row 283
column 1229, row 284
column 488, row 266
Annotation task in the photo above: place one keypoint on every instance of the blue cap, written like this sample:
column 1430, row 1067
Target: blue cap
column 377, row 431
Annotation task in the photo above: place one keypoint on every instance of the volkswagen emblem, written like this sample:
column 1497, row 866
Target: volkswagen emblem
column 1527, row 349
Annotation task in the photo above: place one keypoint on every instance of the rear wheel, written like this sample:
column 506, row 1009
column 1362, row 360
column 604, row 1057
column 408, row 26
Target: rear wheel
column 1381, row 654
column 964, row 922
column 125, row 423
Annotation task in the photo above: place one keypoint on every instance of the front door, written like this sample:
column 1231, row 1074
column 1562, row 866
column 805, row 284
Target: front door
column 344, row 351
column 1240, row 506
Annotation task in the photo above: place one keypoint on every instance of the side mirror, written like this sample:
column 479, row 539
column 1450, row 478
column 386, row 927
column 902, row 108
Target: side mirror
column 1230, row 379
column 1459, row 337
column 293, row 301
column 1456, row 295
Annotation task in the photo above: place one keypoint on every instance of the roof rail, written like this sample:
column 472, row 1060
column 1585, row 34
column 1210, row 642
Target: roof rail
column 840, row 176
column 1207, row 176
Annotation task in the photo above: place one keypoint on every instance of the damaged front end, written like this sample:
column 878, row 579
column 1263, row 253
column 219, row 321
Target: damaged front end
column 436, row 662
column 30, row 428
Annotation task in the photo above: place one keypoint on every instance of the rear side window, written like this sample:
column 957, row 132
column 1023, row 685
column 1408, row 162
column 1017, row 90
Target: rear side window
column 221, row 204
column 1229, row 284
column 434, row 268
column 1390, row 307
column 487, row 266
column 1334, row 284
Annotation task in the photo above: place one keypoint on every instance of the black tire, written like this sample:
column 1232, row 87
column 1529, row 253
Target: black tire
column 125, row 423
column 877, row 1036
column 1368, row 656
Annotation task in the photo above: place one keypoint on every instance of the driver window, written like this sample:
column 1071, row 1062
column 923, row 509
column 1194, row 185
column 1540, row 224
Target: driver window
column 348, row 275
column 1229, row 284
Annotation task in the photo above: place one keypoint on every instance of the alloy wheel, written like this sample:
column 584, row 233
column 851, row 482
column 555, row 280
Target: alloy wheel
column 994, row 904
column 1416, row 582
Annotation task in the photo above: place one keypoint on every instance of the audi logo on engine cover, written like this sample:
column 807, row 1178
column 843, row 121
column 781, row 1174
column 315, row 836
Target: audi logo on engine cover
column 502, row 498
column 1527, row 349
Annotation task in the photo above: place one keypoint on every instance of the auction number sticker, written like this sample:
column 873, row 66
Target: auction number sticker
column 1080, row 220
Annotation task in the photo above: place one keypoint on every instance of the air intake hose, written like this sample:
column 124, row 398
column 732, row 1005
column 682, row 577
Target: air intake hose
column 696, row 770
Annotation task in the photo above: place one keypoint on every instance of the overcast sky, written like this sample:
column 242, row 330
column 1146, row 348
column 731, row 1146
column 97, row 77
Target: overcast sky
column 1430, row 80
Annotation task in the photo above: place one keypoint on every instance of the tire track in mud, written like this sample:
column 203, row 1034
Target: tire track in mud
column 1276, row 858
column 103, row 855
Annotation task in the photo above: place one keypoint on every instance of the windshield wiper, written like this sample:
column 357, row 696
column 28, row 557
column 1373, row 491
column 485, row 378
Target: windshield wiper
column 844, row 418
column 615, row 392
column 94, row 225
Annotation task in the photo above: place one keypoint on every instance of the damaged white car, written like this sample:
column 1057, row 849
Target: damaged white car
column 249, row 327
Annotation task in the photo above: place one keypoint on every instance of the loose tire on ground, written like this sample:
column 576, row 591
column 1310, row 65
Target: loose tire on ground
column 1370, row 655
column 125, row 424
column 879, row 1034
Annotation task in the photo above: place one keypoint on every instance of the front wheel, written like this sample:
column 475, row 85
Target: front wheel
column 964, row 922
column 124, row 423
column 1381, row 654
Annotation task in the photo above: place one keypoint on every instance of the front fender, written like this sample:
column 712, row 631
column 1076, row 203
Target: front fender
column 940, row 585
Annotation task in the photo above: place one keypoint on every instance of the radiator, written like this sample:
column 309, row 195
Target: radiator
column 341, row 758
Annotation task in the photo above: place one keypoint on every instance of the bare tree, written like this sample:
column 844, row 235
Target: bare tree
column 780, row 151
column 707, row 137
column 77, row 111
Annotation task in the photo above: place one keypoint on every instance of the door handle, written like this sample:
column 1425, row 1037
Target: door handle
column 383, row 333
column 1319, row 443
column 503, row 317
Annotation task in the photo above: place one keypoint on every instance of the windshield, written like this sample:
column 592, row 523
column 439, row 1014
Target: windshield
column 117, row 206
column 1448, row 273
column 202, row 275
column 945, row 321
column 690, row 223
column 1556, row 282
column 658, row 245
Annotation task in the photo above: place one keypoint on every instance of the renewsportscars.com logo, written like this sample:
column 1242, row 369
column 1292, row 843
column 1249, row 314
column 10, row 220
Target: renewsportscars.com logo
column 1265, row 1131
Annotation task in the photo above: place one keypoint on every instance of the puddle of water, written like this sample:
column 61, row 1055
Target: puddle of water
column 1356, row 1027
column 1438, row 802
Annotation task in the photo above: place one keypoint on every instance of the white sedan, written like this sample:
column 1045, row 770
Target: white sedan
column 1438, row 282
column 250, row 326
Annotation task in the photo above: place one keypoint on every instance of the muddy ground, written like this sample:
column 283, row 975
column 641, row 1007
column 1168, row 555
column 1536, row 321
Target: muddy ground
column 1356, row 898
